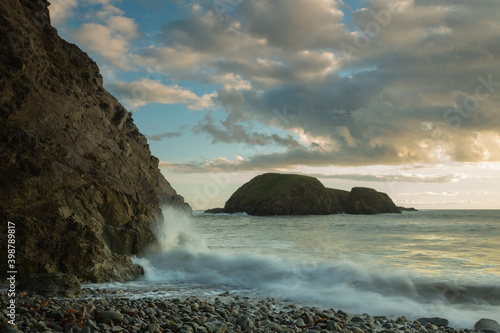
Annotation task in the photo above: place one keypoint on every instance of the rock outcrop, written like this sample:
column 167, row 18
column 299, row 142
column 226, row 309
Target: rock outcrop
column 76, row 176
column 367, row 201
column 282, row 194
column 278, row 194
column 52, row 285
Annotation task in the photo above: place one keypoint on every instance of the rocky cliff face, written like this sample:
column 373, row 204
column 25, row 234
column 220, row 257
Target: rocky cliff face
column 279, row 194
column 76, row 176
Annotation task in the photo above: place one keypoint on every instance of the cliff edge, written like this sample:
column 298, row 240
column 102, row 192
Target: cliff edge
column 76, row 176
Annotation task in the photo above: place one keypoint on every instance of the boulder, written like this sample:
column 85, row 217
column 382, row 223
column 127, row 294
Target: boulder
column 439, row 322
column 486, row 325
column 52, row 285
column 77, row 177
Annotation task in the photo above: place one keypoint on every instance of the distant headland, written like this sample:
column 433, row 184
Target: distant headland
column 289, row 194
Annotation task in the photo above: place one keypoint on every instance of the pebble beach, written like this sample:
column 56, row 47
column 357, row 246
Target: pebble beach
column 101, row 310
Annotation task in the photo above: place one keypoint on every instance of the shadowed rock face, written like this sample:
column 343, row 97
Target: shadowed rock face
column 280, row 194
column 367, row 201
column 76, row 176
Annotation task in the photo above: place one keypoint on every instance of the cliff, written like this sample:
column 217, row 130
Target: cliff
column 281, row 194
column 76, row 176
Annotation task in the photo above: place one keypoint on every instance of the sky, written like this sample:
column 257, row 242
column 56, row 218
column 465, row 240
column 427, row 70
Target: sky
column 401, row 96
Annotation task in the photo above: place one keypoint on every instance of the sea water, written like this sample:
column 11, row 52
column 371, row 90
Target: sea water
column 442, row 263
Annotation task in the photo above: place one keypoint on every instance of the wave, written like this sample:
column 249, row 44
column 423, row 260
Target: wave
column 352, row 287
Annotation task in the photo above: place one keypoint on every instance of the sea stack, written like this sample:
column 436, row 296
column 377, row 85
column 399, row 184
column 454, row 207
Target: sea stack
column 78, row 180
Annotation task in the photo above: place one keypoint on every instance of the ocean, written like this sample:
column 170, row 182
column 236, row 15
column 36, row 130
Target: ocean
column 443, row 263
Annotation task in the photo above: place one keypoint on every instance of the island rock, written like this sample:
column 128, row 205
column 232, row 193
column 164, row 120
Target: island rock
column 288, row 194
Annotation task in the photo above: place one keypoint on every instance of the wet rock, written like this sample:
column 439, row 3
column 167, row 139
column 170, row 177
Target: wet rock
column 9, row 329
column 299, row 322
column 80, row 207
column 215, row 326
column 109, row 315
column 308, row 318
column 357, row 319
column 50, row 285
column 153, row 328
column 333, row 326
column 486, row 325
column 243, row 321
column 439, row 322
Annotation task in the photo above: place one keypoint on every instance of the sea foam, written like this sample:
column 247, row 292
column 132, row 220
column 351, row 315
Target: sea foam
column 185, row 260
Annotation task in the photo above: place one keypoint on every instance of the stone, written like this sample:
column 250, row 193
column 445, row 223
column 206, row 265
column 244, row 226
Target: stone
column 215, row 326
column 487, row 326
column 357, row 319
column 56, row 315
column 186, row 329
column 243, row 321
column 153, row 328
column 9, row 329
column 333, row 326
column 308, row 318
column 174, row 327
column 439, row 322
column 109, row 315
column 51, row 285
column 59, row 127
column 299, row 322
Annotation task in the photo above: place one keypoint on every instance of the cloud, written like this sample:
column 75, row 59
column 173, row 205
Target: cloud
column 166, row 135
column 449, row 202
column 220, row 164
column 109, row 44
column 403, row 82
column 430, row 193
column 231, row 132
column 409, row 94
column 61, row 10
column 286, row 161
column 109, row 34
column 140, row 93
column 399, row 177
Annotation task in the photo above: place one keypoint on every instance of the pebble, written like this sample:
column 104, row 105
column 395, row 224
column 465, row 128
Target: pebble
column 109, row 315
column 111, row 311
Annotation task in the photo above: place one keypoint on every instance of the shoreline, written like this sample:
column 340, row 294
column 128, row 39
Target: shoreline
column 111, row 310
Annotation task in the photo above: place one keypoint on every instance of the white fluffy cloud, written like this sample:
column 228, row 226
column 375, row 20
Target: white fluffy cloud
column 411, row 81
column 140, row 93
column 61, row 10
column 109, row 36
